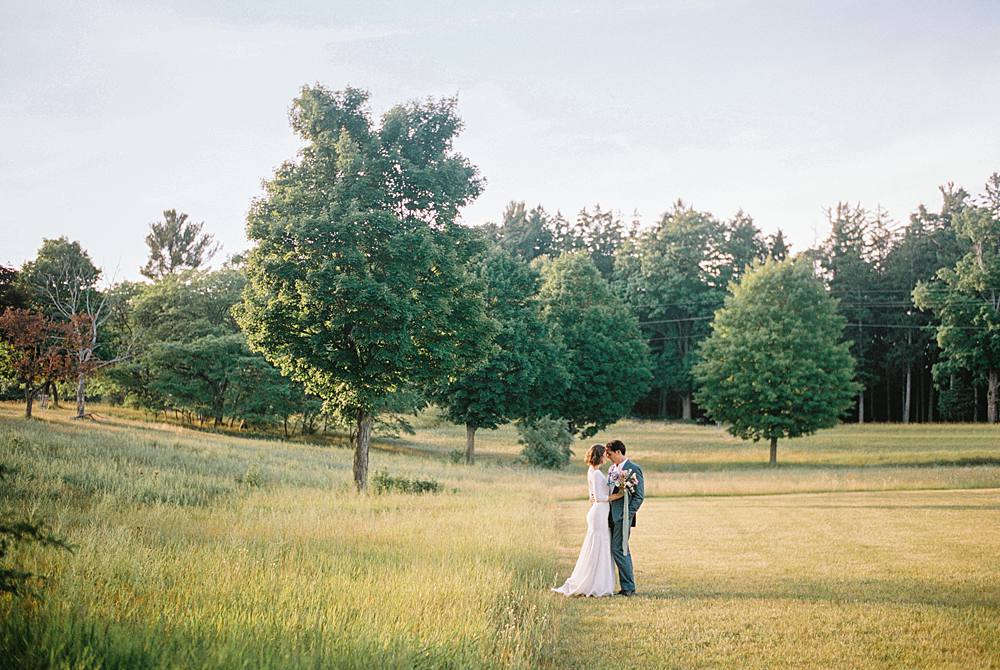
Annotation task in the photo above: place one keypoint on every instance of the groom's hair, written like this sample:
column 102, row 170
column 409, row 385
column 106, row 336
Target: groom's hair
column 616, row 446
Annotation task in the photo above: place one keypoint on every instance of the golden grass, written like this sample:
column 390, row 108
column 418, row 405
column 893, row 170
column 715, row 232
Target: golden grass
column 197, row 549
column 875, row 580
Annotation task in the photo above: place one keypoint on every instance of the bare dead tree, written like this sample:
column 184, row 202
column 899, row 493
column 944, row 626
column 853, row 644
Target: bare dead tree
column 86, row 310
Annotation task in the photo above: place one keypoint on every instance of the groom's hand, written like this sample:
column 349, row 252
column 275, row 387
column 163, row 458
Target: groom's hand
column 593, row 498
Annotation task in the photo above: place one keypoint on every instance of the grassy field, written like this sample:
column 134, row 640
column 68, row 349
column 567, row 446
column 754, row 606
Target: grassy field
column 867, row 546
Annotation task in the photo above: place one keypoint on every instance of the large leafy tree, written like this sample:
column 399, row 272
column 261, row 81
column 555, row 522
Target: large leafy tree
column 525, row 373
column 357, row 283
column 608, row 358
column 966, row 298
column 670, row 276
column 775, row 365
column 177, row 244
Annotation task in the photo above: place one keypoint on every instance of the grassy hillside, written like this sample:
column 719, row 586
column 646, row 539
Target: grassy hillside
column 196, row 549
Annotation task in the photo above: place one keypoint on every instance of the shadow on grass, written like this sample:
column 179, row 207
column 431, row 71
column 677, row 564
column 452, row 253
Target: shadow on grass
column 763, row 466
column 867, row 591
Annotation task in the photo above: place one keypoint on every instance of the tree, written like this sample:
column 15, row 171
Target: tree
column 608, row 359
column 966, row 298
column 525, row 233
column 742, row 245
column 777, row 247
column 357, row 283
column 672, row 278
column 32, row 350
column 774, row 365
column 64, row 280
column 191, row 356
column 11, row 293
column 853, row 279
column 176, row 244
column 598, row 233
column 525, row 371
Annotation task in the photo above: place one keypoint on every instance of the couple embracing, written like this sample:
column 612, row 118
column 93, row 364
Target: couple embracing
column 615, row 498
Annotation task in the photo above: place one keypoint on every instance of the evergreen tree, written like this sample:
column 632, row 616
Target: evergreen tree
column 176, row 244
column 524, row 233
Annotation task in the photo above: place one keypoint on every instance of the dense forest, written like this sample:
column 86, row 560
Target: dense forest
column 171, row 344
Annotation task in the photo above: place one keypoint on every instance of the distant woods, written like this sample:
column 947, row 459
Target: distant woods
column 363, row 299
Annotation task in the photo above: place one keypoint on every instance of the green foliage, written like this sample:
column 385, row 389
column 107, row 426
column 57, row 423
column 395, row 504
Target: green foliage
column 176, row 244
column 546, row 441
column 608, row 360
column 525, row 234
column 383, row 482
column 357, row 283
column 61, row 272
column 189, row 354
column 774, row 365
column 966, row 297
column 672, row 276
column 599, row 234
column 525, row 372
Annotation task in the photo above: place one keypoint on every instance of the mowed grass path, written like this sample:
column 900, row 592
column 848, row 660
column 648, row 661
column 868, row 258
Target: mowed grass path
column 862, row 580
column 204, row 550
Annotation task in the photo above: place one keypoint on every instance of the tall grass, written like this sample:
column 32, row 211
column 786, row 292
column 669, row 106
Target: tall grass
column 202, row 552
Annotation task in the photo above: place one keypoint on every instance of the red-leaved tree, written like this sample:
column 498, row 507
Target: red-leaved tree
column 32, row 348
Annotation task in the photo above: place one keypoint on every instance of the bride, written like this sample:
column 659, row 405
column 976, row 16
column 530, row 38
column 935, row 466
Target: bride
column 594, row 574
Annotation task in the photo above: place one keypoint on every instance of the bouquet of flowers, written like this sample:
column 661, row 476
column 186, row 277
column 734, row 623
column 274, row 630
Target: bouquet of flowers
column 623, row 480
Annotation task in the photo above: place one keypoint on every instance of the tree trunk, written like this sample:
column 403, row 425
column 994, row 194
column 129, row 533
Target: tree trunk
column 993, row 383
column 907, row 393
column 930, row 400
column 81, row 380
column 663, row 403
column 470, row 444
column 53, row 390
column 861, row 406
column 975, row 402
column 285, row 426
column 361, row 441
column 686, row 406
column 29, row 400
column 774, row 451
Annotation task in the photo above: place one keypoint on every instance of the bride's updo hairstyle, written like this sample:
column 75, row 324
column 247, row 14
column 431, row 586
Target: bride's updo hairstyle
column 594, row 455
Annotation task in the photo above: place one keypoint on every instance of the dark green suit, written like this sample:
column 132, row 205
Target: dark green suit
column 616, row 517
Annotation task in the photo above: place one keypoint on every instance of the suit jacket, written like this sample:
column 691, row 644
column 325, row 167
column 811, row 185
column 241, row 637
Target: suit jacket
column 617, row 511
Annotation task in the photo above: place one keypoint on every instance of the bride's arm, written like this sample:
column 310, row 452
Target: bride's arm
column 597, row 492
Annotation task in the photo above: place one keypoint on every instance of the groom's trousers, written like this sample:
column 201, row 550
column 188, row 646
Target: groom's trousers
column 622, row 560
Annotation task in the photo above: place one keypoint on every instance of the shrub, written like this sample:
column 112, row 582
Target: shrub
column 546, row 442
column 383, row 482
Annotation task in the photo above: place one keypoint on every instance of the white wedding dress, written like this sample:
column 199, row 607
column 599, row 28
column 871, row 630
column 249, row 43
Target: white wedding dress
column 594, row 574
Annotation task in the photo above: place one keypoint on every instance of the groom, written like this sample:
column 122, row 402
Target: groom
column 616, row 452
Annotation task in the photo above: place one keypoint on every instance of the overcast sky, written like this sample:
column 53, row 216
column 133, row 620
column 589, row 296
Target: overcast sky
column 111, row 112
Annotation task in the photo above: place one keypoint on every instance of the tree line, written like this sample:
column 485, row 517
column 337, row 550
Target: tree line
column 363, row 297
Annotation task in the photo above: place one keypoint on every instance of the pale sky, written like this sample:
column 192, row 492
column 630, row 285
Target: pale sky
column 111, row 112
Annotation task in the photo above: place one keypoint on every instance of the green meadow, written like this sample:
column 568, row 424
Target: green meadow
column 868, row 546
